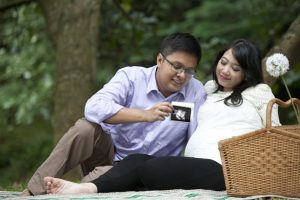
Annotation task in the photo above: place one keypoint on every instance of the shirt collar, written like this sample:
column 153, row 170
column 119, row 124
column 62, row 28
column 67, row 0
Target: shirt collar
column 152, row 86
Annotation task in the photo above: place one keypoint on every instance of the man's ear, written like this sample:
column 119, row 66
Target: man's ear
column 159, row 59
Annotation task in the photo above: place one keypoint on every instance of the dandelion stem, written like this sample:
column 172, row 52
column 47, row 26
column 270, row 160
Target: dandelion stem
column 288, row 91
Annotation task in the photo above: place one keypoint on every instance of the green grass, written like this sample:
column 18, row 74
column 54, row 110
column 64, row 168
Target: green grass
column 22, row 150
column 14, row 187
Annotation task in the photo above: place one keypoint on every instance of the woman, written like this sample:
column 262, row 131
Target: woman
column 236, row 104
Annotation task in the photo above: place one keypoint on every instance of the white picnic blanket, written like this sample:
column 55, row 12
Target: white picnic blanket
column 177, row 194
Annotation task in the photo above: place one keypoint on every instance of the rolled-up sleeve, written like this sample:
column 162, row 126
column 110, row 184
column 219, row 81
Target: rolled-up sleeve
column 110, row 99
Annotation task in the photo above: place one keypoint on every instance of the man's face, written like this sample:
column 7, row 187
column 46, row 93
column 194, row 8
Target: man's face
column 174, row 71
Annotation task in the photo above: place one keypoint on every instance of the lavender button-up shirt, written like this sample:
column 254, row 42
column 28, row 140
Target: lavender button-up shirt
column 135, row 87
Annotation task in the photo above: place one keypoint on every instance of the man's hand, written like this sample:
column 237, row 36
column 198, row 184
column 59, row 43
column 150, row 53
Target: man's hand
column 158, row 112
column 130, row 115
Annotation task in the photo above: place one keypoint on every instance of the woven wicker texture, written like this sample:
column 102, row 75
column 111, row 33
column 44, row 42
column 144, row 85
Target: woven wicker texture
column 266, row 161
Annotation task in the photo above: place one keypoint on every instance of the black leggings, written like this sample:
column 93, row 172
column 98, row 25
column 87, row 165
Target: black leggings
column 144, row 172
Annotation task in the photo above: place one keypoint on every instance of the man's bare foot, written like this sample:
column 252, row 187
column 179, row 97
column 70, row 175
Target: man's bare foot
column 26, row 193
column 60, row 186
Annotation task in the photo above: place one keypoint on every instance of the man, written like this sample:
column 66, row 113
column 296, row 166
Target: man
column 130, row 115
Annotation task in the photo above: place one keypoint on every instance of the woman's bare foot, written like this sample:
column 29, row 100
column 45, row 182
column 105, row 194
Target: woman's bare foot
column 60, row 186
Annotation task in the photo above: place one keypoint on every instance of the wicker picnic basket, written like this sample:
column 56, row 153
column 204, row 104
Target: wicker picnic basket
column 264, row 162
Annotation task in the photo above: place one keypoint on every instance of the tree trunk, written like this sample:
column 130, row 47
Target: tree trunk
column 73, row 27
column 288, row 45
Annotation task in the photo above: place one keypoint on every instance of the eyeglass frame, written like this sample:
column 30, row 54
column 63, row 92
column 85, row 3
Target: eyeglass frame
column 180, row 69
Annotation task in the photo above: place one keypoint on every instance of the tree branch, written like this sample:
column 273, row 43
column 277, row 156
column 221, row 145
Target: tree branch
column 288, row 45
column 13, row 4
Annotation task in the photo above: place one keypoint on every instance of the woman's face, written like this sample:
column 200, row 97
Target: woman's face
column 229, row 72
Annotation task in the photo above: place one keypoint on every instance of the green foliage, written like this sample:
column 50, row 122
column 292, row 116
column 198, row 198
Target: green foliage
column 130, row 35
column 26, row 67
column 131, row 32
column 218, row 22
column 26, row 89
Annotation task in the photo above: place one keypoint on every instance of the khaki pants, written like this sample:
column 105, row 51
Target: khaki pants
column 86, row 144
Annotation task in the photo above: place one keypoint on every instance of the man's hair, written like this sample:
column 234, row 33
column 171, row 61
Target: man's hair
column 181, row 42
column 248, row 56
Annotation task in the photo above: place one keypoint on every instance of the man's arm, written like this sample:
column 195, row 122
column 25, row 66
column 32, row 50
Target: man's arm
column 130, row 115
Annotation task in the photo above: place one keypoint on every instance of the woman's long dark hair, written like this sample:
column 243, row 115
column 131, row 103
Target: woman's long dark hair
column 249, row 58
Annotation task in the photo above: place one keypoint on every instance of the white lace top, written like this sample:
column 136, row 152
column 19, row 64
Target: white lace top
column 217, row 121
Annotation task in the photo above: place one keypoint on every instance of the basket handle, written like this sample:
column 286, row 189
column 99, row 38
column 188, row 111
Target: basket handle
column 283, row 105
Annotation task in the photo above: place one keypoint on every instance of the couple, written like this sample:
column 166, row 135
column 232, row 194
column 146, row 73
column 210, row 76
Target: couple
column 235, row 104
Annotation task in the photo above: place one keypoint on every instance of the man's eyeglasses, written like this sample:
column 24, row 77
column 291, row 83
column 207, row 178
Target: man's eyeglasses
column 179, row 68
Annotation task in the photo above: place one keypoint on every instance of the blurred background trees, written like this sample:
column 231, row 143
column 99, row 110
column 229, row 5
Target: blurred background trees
column 55, row 54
